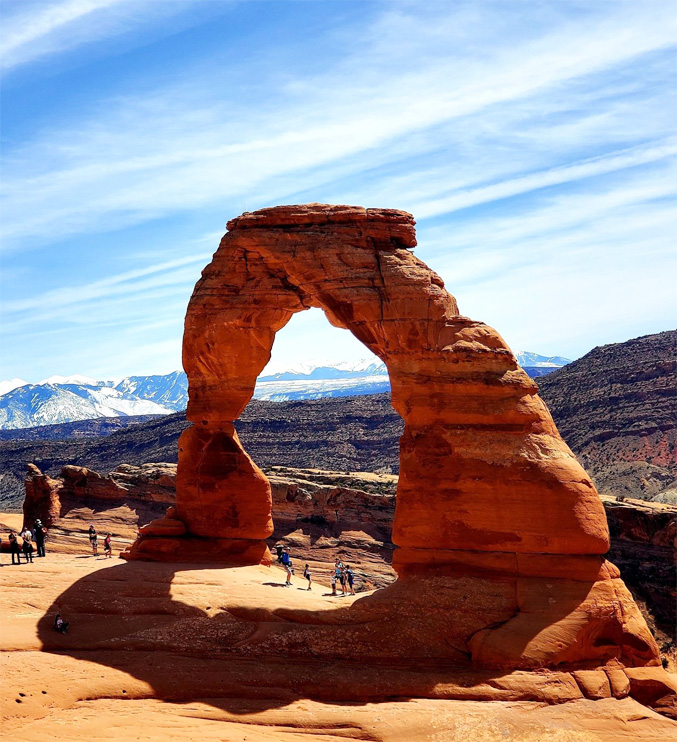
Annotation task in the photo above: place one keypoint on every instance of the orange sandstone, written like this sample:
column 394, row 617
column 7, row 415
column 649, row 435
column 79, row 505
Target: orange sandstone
column 494, row 513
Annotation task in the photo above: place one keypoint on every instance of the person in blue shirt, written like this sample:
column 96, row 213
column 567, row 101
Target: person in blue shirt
column 287, row 564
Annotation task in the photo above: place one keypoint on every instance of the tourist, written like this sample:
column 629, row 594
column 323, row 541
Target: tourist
column 341, row 574
column 40, row 533
column 287, row 564
column 350, row 575
column 108, row 546
column 28, row 545
column 333, row 582
column 93, row 540
column 307, row 575
column 60, row 625
column 14, row 547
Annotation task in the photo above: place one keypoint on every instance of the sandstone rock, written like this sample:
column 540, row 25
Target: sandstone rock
column 42, row 498
column 493, row 510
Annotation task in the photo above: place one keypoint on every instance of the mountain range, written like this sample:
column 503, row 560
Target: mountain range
column 65, row 399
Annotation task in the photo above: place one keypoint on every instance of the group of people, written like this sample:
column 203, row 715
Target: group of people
column 30, row 542
column 27, row 542
column 94, row 542
column 343, row 576
column 341, row 573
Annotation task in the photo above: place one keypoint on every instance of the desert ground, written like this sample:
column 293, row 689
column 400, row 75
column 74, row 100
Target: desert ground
column 162, row 652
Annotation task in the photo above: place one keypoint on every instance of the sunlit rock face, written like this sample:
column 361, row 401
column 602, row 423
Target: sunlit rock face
column 494, row 516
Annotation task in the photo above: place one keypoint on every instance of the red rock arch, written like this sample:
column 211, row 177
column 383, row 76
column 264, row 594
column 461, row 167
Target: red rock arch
column 482, row 466
column 497, row 524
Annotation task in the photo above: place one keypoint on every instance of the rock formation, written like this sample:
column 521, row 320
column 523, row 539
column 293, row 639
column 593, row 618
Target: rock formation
column 616, row 407
column 493, row 510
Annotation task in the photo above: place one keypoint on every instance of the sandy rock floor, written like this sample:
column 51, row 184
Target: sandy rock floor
column 139, row 663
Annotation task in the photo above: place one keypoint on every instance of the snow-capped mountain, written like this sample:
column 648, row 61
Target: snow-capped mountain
column 7, row 386
column 46, row 404
column 170, row 390
column 60, row 399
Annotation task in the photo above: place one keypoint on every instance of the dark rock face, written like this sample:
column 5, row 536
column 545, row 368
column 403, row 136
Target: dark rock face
column 617, row 409
column 643, row 548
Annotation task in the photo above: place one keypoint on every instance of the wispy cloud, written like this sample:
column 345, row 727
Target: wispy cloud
column 532, row 147
column 34, row 30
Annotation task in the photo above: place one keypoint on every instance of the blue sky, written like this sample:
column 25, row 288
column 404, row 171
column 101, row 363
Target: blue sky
column 534, row 142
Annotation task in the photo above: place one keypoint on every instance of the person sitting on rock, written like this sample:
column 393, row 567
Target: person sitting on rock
column 108, row 546
column 40, row 533
column 307, row 575
column 28, row 545
column 94, row 540
column 287, row 564
column 350, row 576
column 60, row 625
column 14, row 547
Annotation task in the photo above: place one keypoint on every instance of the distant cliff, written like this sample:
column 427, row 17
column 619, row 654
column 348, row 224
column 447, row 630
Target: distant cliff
column 617, row 409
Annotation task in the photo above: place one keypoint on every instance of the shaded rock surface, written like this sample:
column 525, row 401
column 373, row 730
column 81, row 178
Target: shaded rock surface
column 173, row 652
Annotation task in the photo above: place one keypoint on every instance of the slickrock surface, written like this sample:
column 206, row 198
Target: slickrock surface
column 161, row 652
column 617, row 409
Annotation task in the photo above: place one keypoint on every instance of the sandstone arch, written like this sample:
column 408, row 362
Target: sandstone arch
column 487, row 487
column 480, row 451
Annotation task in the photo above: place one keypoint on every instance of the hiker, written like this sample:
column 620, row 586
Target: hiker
column 40, row 532
column 341, row 574
column 93, row 540
column 28, row 545
column 350, row 575
column 333, row 582
column 108, row 546
column 279, row 549
column 287, row 564
column 60, row 625
column 307, row 575
column 14, row 547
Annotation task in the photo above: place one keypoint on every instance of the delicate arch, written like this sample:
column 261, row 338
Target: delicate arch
column 482, row 466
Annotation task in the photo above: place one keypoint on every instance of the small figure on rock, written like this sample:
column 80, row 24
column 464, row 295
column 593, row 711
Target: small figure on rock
column 350, row 576
column 94, row 540
column 60, row 625
column 14, row 547
column 287, row 564
column 333, row 582
column 28, row 545
column 108, row 546
column 307, row 575
column 40, row 533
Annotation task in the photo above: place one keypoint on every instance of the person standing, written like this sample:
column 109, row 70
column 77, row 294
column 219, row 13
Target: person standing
column 93, row 540
column 307, row 575
column 14, row 547
column 28, row 545
column 108, row 546
column 40, row 533
column 350, row 575
column 287, row 564
column 333, row 581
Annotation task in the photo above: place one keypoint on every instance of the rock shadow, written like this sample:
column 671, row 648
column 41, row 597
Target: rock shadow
column 410, row 639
